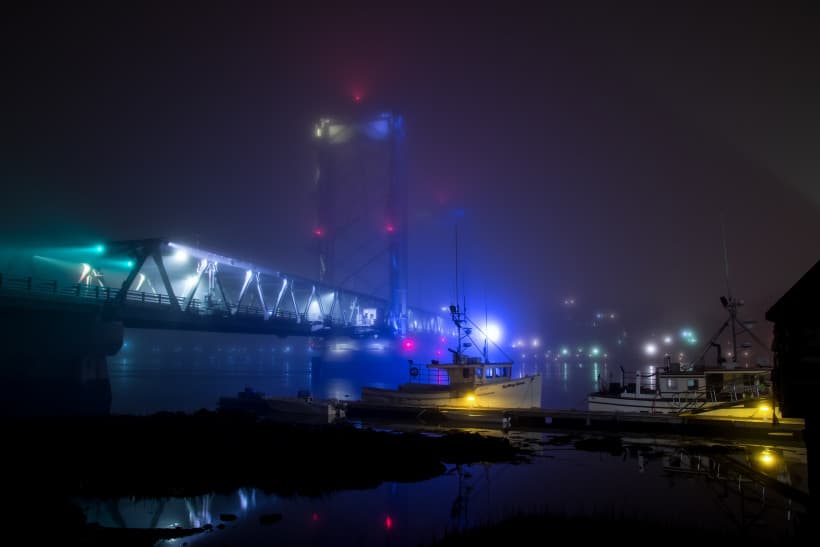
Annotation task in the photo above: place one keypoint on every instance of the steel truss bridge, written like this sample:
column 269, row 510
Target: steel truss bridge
column 168, row 285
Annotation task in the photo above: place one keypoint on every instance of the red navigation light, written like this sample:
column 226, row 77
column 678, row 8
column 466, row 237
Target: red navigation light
column 443, row 339
column 388, row 522
column 357, row 98
column 318, row 232
column 390, row 228
column 408, row 344
column 315, row 517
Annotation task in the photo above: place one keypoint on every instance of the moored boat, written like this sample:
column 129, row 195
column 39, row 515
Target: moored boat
column 727, row 389
column 465, row 382
column 736, row 392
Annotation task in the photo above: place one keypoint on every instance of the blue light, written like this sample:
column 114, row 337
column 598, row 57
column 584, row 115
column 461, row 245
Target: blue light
column 378, row 129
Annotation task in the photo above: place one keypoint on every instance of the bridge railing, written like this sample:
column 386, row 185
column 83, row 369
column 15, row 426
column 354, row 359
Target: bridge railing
column 52, row 287
column 48, row 288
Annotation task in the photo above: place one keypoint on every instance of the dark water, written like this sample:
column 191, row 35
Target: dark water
column 649, row 478
column 158, row 371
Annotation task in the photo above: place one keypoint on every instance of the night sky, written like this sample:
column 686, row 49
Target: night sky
column 585, row 149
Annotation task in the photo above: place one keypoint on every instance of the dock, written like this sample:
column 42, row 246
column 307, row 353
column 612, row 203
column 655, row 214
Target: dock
column 539, row 419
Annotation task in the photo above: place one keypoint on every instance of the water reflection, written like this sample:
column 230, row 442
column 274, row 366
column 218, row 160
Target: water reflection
column 158, row 371
column 746, row 488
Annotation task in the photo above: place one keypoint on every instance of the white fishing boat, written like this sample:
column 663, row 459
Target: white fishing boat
column 727, row 389
column 473, row 382
column 720, row 391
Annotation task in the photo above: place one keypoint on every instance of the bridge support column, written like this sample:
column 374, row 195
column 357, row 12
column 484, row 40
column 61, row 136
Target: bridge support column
column 54, row 362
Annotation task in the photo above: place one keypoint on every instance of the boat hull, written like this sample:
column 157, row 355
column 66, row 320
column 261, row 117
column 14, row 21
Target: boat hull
column 522, row 392
column 650, row 405
column 753, row 408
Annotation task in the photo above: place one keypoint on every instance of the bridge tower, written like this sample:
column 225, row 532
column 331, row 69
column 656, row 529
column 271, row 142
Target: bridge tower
column 331, row 134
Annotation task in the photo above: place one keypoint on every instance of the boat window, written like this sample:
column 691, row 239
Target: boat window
column 692, row 384
column 465, row 372
column 489, row 372
column 478, row 372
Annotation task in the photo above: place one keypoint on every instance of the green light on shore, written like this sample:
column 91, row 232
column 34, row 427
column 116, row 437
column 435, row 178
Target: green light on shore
column 100, row 248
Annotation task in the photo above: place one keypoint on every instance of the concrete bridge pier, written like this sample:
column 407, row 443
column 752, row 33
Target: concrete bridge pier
column 54, row 362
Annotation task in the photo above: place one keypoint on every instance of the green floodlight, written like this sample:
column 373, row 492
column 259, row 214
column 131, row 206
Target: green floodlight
column 99, row 248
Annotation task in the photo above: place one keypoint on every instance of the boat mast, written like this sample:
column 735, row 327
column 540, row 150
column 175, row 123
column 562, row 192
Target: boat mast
column 730, row 304
column 454, row 309
column 486, row 329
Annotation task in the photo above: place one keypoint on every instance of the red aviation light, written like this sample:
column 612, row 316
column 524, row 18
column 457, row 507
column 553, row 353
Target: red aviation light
column 390, row 228
column 318, row 232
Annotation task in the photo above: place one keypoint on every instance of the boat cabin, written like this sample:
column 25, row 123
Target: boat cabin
column 720, row 384
column 465, row 371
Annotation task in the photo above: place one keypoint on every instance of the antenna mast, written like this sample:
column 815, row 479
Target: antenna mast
column 456, row 315
column 486, row 329
column 456, row 264
column 730, row 304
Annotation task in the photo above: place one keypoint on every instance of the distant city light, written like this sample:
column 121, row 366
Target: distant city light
column 650, row 349
column 667, row 339
column 688, row 336
column 181, row 255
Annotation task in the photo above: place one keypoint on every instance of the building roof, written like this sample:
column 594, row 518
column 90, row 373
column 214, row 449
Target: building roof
column 801, row 302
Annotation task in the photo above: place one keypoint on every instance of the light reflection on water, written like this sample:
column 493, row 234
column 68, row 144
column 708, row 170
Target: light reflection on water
column 149, row 377
column 649, row 478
